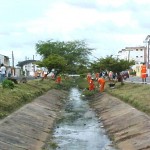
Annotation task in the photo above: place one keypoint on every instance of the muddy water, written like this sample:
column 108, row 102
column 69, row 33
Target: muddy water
column 79, row 129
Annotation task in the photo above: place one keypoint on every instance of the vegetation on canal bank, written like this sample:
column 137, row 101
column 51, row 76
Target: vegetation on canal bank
column 12, row 99
column 136, row 95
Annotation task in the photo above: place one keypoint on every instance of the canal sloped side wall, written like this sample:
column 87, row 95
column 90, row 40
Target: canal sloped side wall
column 29, row 127
column 127, row 127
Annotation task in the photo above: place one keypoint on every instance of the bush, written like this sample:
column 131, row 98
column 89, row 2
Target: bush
column 8, row 84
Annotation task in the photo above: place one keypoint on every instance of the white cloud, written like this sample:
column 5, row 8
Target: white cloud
column 120, row 23
column 114, row 3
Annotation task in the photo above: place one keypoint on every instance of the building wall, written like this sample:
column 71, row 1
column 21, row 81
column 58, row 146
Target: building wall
column 4, row 60
column 138, row 54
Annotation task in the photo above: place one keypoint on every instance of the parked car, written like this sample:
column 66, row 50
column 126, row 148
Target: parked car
column 124, row 74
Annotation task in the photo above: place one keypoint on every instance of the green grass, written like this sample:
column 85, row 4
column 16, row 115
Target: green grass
column 137, row 95
column 22, row 93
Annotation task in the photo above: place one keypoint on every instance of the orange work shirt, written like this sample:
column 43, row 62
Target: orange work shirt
column 143, row 71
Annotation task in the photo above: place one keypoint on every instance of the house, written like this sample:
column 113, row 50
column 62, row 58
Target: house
column 29, row 68
column 138, row 54
column 4, row 60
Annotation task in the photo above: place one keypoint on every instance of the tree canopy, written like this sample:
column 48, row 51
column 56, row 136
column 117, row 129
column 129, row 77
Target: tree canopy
column 72, row 53
column 111, row 64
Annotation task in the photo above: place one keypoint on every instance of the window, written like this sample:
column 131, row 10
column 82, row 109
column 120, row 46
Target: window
column 136, row 56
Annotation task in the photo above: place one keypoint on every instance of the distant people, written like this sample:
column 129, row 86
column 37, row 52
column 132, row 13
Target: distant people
column 143, row 73
column 3, row 72
column 101, row 82
column 97, row 76
column 110, row 75
column 89, row 77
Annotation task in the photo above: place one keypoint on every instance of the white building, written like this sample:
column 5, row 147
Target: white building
column 138, row 54
column 4, row 60
column 29, row 68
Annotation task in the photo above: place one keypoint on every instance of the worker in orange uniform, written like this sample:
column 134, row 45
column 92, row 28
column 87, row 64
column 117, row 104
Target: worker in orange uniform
column 58, row 79
column 101, row 82
column 143, row 73
column 91, row 84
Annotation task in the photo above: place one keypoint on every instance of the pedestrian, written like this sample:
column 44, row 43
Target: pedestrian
column 91, row 84
column 143, row 73
column 101, row 82
column 110, row 75
column 3, row 72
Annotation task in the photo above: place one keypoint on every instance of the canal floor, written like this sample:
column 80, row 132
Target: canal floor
column 79, row 128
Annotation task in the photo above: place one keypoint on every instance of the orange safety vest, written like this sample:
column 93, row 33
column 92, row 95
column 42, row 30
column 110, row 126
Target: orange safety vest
column 101, row 81
column 91, row 85
column 143, row 71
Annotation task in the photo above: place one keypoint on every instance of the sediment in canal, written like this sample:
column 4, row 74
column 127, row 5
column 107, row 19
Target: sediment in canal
column 128, row 127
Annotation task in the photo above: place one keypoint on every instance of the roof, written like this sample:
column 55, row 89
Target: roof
column 22, row 63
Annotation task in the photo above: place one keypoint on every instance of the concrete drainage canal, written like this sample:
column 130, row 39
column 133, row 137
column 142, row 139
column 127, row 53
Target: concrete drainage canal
column 79, row 129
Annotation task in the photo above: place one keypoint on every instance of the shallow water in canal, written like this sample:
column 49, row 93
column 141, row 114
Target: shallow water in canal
column 79, row 128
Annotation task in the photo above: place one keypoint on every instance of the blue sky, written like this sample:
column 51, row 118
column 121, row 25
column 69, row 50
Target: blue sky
column 108, row 26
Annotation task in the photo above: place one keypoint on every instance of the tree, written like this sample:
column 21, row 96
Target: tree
column 112, row 64
column 74, row 52
column 53, row 61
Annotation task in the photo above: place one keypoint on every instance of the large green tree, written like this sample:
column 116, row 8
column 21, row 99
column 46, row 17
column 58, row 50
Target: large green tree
column 53, row 61
column 111, row 64
column 74, row 52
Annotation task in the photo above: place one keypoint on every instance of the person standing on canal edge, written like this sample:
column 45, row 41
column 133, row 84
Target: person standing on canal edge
column 143, row 73
column 3, row 72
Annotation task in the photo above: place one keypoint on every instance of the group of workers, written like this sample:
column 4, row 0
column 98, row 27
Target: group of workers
column 99, row 79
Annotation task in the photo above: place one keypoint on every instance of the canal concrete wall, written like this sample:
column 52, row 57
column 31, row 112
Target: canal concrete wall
column 127, row 127
column 29, row 127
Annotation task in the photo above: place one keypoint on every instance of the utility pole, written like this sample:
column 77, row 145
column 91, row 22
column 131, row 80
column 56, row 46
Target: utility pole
column 129, row 55
column 12, row 59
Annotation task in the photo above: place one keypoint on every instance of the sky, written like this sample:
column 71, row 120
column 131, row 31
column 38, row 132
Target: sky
column 107, row 26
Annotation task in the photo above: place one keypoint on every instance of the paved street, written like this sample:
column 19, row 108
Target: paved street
column 136, row 79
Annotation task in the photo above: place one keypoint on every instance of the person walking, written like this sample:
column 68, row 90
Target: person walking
column 101, row 82
column 3, row 72
column 143, row 73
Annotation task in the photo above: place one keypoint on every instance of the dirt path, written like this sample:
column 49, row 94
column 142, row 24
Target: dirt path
column 128, row 127
column 29, row 127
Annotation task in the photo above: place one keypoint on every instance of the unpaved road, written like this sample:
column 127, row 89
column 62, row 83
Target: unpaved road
column 29, row 127
column 128, row 127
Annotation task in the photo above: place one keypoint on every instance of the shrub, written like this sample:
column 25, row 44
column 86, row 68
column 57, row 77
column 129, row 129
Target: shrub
column 8, row 84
